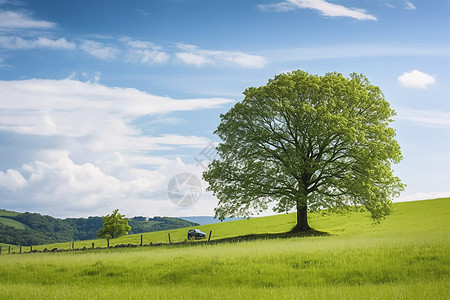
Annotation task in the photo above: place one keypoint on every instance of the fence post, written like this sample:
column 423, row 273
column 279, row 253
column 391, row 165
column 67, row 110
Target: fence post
column 31, row 248
column 9, row 249
column 20, row 249
column 209, row 238
column 73, row 245
column 142, row 239
column 107, row 243
column 170, row 242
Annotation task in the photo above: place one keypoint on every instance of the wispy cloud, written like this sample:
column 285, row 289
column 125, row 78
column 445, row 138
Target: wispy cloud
column 416, row 79
column 144, row 52
column 410, row 5
column 137, row 51
column 323, row 7
column 99, row 50
column 428, row 118
column 193, row 55
column 403, row 4
column 19, row 20
column 143, row 12
column 16, row 42
column 16, row 26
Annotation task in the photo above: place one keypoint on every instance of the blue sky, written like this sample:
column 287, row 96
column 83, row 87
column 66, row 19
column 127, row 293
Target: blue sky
column 102, row 103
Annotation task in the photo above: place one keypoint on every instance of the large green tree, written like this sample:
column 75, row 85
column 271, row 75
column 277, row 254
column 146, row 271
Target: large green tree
column 114, row 225
column 306, row 142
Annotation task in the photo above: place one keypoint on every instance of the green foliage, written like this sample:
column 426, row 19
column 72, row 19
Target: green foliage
column 405, row 257
column 158, row 224
column 305, row 141
column 85, row 228
column 114, row 226
column 37, row 229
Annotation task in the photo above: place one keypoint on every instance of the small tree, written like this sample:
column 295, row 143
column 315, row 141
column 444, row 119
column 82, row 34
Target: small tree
column 114, row 225
column 306, row 142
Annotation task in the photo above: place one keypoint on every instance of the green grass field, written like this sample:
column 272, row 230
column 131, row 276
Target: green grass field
column 407, row 256
column 12, row 223
column 7, row 213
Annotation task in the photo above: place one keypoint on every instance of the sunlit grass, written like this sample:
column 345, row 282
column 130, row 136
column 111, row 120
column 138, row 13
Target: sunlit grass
column 407, row 218
column 406, row 257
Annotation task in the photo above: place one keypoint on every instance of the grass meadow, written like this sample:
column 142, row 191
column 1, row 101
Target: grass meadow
column 407, row 256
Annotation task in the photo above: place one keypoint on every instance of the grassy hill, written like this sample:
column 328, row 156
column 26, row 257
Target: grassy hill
column 407, row 256
column 409, row 218
column 8, row 213
column 13, row 223
column 9, row 222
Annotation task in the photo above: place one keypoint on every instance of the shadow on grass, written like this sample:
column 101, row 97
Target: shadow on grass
column 269, row 236
column 186, row 243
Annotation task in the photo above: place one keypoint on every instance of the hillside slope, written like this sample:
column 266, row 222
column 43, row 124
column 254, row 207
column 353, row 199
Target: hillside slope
column 408, row 219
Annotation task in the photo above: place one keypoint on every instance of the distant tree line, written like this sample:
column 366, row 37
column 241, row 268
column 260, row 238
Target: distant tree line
column 41, row 229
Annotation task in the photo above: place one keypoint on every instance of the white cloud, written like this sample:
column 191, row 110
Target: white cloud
column 144, row 52
column 416, row 79
column 139, row 44
column 78, row 108
column 192, row 55
column 12, row 180
column 325, row 8
column 137, row 51
column 19, row 20
column 15, row 42
column 101, row 160
column 60, row 43
column 277, row 7
column 57, row 185
column 92, row 120
column 146, row 56
column 410, row 5
column 99, row 50
column 194, row 59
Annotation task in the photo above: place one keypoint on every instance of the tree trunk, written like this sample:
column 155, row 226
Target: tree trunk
column 302, row 218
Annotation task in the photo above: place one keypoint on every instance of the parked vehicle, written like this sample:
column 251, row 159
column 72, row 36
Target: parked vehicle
column 194, row 234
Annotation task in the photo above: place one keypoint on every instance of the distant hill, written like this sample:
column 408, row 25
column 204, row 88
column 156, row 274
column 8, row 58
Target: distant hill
column 36, row 229
column 204, row 220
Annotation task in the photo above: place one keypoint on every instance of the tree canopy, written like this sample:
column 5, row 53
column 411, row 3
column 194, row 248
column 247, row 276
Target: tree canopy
column 114, row 225
column 307, row 142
